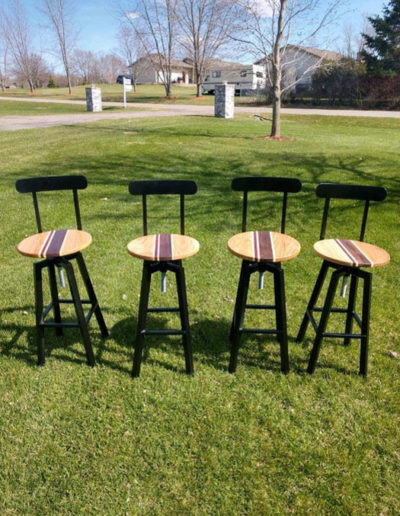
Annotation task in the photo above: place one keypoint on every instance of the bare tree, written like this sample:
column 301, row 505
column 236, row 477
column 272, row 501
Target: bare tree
column 205, row 25
column 268, row 28
column 155, row 26
column 60, row 16
column 3, row 65
column 129, row 49
column 17, row 35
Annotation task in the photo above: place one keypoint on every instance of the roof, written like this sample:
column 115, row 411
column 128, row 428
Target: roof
column 153, row 58
column 329, row 55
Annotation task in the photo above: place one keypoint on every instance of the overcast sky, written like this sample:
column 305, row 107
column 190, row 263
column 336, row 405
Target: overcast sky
column 98, row 22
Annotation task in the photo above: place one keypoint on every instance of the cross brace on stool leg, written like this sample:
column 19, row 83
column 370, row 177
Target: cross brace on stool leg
column 149, row 268
column 247, row 269
column 83, row 320
column 351, row 314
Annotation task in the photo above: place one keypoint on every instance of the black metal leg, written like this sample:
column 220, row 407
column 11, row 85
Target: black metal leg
column 54, row 297
column 323, row 320
column 240, row 307
column 141, row 325
column 79, row 312
column 184, row 315
column 38, row 286
column 92, row 295
column 313, row 299
column 281, row 322
column 351, row 307
column 365, row 323
column 238, row 297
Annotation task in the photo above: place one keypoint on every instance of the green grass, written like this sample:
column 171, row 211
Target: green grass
column 15, row 108
column 77, row 440
column 148, row 93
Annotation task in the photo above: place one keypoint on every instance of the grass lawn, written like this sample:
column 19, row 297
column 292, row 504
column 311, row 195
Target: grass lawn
column 16, row 108
column 76, row 440
column 114, row 93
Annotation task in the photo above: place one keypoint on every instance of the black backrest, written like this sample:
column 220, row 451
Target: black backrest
column 330, row 191
column 49, row 184
column 165, row 187
column 283, row 185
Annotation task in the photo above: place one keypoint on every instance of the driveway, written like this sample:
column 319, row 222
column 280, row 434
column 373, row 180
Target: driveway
column 14, row 123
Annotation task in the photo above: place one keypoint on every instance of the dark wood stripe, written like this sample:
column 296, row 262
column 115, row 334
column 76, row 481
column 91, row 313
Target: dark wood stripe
column 56, row 243
column 350, row 249
column 266, row 247
column 165, row 247
column 42, row 252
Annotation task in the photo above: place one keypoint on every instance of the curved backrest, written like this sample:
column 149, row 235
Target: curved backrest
column 283, row 185
column 330, row 191
column 50, row 184
column 163, row 187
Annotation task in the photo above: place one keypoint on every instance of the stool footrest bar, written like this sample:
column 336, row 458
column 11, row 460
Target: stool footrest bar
column 258, row 330
column 163, row 332
column 162, row 309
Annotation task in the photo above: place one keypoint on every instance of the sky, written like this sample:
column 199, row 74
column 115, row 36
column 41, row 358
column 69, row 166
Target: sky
column 98, row 22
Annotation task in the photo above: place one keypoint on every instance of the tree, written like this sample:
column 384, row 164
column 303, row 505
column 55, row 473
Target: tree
column 59, row 15
column 129, row 49
column 17, row 36
column 154, row 23
column 3, row 65
column 381, row 51
column 267, row 28
column 205, row 25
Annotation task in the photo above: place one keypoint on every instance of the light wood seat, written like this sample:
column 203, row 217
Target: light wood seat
column 264, row 246
column 56, row 243
column 163, row 247
column 351, row 253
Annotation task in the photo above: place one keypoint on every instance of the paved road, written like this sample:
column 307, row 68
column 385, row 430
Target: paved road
column 14, row 123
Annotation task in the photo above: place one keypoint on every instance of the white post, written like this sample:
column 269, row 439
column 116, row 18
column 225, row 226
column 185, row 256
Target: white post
column 127, row 87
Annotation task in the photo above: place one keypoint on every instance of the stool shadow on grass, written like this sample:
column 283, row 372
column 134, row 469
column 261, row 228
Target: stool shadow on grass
column 27, row 352
column 123, row 333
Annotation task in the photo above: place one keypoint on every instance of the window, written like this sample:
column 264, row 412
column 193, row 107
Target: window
column 243, row 73
column 260, row 75
column 216, row 74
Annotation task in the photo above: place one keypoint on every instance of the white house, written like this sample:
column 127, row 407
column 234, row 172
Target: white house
column 147, row 70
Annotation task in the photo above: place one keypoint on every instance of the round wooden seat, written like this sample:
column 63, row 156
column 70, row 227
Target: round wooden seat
column 264, row 246
column 163, row 247
column 52, row 244
column 351, row 253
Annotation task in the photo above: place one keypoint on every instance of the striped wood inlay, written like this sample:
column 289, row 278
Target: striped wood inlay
column 163, row 247
column 264, row 246
column 351, row 253
column 51, row 244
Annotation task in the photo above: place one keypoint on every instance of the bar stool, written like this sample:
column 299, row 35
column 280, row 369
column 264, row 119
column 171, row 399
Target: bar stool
column 59, row 248
column 346, row 258
column 262, row 251
column 163, row 252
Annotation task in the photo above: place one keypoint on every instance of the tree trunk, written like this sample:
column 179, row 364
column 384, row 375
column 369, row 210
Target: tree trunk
column 198, row 89
column 276, row 115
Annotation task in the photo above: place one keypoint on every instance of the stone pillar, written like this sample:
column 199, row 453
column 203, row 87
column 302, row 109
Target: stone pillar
column 224, row 100
column 93, row 99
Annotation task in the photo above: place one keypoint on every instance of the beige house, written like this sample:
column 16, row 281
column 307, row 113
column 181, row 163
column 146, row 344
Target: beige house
column 147, row 70
column 300, row 63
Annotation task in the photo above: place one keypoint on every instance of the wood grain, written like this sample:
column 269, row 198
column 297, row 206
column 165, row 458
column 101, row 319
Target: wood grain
column 264, row 246
column 163, row 247
column 351, row 253
column 51, row 244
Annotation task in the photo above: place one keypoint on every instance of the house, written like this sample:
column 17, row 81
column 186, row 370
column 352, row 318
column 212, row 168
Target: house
column 299, row 64
column 147, row 70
